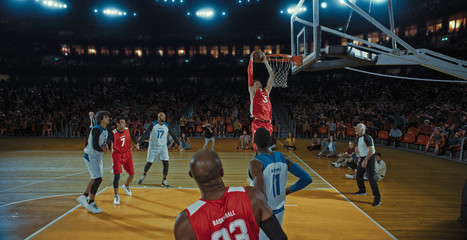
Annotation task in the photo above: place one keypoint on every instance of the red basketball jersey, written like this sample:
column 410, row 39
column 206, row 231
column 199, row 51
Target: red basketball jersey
column 121, row 141
column 230, row 217
column 261, row 105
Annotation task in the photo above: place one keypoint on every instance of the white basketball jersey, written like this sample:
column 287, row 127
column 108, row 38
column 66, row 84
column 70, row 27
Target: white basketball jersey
column 275, row 177
column 102, row 140
column 158, row 136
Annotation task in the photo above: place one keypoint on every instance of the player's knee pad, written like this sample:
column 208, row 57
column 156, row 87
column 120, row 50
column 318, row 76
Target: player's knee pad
column 166, row 167
column 95, row 185
column 116, row 179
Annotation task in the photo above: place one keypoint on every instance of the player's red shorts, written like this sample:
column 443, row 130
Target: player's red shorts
column 125, row 159
column 255, row 125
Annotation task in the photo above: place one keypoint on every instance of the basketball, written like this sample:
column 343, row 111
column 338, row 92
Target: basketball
column 258, row 56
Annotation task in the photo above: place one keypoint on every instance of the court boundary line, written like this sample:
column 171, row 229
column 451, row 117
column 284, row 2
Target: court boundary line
column 379, row 225
column 60, row 217
column 42, row 181
column 38, row 198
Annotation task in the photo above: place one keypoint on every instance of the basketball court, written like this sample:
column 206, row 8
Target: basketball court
column 41, row 183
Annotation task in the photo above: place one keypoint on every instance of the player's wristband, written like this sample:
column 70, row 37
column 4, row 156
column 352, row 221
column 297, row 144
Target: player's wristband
column 304, row 180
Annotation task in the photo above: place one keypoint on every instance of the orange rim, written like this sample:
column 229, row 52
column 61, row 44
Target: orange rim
column 297, row 60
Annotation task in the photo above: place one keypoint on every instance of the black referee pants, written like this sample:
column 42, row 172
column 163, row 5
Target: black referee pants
column 370, row 169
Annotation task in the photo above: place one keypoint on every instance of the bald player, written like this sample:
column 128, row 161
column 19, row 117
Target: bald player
column 157, row 134
column 224, row 212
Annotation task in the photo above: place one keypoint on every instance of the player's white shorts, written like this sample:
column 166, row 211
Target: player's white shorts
column 95, row 165
column 154, row 153
column 279, row 216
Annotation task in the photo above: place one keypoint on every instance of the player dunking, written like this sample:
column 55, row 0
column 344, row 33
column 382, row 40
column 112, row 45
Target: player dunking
column 95, row 147
column 223, row 212
column 121, row 155
column 157, row 134
column 268, row 173
column 260, row 104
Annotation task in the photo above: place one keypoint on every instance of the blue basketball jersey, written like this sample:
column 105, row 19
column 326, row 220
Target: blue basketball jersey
column 275, row 177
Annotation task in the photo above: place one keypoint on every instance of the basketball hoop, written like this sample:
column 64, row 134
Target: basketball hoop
column 280, row 64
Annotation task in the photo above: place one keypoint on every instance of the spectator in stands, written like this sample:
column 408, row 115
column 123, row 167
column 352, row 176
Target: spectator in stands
column 191, row 126
column 315, row 127
column 221, row 127
column 185, row 142
column 244, row 141
column 426, row 128
column 394, row 135
column 306, row 129
column 331, row 128
column 183, row 122
column 237, row 126
column 453, row 143
column 341, row 129
column 74, row 126
column 315, row 143
column 330, row 148
column 436, row 139
column 290, row 142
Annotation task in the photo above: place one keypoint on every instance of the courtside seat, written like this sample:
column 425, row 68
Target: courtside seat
column 422, row 140
column 350, row 132
column 323, row 130
column 383, row 135
column 229, row 128
column 408, row 138
column 199, row 129
column 413, row 131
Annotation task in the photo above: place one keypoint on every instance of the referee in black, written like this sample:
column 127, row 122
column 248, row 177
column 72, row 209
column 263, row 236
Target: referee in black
column 366, row 152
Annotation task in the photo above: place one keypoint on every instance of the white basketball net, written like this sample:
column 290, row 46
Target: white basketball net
column 281, row 66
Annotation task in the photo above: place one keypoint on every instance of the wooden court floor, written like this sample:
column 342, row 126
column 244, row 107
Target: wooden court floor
column 41, row 178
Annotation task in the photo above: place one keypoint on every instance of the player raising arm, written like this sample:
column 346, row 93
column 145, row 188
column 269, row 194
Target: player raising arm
column 260, row 104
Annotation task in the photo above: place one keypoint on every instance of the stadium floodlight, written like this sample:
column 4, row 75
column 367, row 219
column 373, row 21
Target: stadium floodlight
column 223, row 13
column 205, row 13
column 324, row 5
column 291, row 9
column 95, row 10
column 112, row 12
column 52, row 4
column 134, row 14
column 188, row 13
